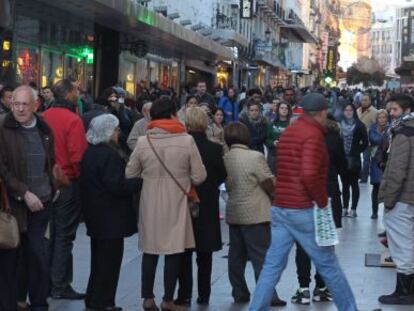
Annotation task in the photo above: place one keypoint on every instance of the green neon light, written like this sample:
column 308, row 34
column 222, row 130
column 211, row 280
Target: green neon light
column 84, row 52
column 146, row 17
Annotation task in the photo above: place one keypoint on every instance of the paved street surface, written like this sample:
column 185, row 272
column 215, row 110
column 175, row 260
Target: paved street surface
column 358, row 237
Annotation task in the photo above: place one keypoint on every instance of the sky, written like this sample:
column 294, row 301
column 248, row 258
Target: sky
column 378, row 5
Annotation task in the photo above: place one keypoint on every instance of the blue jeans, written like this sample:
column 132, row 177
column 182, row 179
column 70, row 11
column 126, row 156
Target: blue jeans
column 288, row 226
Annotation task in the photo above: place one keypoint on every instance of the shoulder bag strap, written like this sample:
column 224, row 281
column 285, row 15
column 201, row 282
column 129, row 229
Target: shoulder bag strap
column 4, row 198
column 165, row 167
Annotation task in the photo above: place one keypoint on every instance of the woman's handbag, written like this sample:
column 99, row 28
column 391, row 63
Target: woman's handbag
column 9, row 229
column 192, row 196
column 325, row 229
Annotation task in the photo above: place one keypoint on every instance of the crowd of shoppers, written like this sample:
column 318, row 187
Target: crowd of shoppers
column 278, row 151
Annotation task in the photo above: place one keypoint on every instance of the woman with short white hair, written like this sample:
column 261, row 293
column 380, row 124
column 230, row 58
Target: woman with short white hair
column 107, row 206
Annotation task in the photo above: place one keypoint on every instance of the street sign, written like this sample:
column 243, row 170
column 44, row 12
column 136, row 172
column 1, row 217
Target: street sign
column 246, row 8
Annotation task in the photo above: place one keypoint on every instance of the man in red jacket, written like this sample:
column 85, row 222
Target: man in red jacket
column 301, row 184
column 70, row 145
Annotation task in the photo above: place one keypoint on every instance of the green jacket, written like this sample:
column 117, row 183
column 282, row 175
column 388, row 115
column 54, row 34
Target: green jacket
column 274, row 131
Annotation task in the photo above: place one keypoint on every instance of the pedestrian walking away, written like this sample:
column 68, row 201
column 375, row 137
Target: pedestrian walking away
column 292, row 213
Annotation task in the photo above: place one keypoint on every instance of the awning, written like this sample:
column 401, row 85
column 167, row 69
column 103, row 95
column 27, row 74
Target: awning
column 270, row 61
column 229, row 37
column 163, row 36
column 301, row 33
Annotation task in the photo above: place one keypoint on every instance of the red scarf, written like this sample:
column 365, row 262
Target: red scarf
column 170, row 125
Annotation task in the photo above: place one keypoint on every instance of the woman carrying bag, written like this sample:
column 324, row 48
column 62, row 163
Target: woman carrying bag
column 167, row 160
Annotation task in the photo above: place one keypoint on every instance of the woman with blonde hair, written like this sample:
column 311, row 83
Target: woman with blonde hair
column 207, row 226
column 378, row 138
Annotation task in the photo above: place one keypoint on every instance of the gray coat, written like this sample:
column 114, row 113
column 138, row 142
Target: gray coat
column 398, row 180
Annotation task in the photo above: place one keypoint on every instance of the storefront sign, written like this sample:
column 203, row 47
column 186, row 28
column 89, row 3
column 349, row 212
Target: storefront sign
column 246, row 8
column 324, row 49
column 331, row 60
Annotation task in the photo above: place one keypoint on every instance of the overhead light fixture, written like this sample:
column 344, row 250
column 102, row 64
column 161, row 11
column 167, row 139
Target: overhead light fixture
column 191, row 71
column 185, row 22
column 197, row 27
column 173, row 15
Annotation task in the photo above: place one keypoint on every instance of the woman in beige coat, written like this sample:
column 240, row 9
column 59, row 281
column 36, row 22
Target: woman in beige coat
column 165, row 226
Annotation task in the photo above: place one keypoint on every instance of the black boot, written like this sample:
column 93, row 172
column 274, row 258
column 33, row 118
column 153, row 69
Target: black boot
column 404, row 291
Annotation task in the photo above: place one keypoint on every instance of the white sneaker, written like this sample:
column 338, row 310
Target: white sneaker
column 344, row 212
column 353, row 214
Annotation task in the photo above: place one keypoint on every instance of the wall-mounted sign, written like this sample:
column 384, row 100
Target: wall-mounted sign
column 246, row 8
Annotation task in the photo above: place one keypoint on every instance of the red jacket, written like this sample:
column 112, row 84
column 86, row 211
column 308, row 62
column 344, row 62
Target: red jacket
column 302, row 160
column 70, row 139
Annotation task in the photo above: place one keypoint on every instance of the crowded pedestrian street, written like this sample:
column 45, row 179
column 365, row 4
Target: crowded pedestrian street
column 172, row 155
column 357, row 238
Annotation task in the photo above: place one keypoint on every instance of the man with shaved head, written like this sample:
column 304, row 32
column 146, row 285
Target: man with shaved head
column 26, row 164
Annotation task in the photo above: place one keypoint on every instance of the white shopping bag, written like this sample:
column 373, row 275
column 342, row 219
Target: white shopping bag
column 325, row 229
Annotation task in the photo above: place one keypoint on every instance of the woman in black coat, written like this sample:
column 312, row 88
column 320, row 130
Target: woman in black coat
column 355, row 138
column 337, row 166
column 207, row 226
column 107, row 206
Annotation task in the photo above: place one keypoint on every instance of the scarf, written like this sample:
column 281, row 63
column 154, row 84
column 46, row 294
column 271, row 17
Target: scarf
column 348, row 129
column 170, row 125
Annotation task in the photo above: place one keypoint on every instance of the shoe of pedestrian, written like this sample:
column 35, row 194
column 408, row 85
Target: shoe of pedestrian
column 168, row 306
column 322, row 295
column 203, row 301
column 277, row 302
column 69, row 293
column 404, row 291
column 382, row 234
column 344, row 212
column 184, row 302
column 149, row 305
column 374, row 216
column 353, row 213
column 302, row 296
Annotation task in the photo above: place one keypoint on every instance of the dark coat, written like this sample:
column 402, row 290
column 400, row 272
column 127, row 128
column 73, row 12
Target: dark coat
column 207, row 226
column 258, row 133
column 337, row 166
column 106, row 195
column 13, row 166
column 359, row 144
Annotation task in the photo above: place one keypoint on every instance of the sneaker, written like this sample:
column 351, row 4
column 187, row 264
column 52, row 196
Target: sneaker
column 322, row 295
column 374, row 216
column 302, row 296
column 344, row 212
column 353, row 213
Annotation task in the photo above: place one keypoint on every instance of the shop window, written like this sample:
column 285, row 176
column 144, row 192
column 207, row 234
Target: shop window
column 75, row 69
column 27, row 68
column 52, row 67
column 127, row 75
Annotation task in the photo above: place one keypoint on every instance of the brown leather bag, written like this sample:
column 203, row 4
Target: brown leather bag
column 9, row 229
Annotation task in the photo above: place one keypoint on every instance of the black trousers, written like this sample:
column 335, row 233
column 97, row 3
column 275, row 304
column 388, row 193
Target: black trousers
column 106, row 260
column 303, row 266
column 34, row 249
column 247, row 242
column 374, row 198
column 185, row 279
column 350, row 181
column 64, row 223
column 171, row 271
